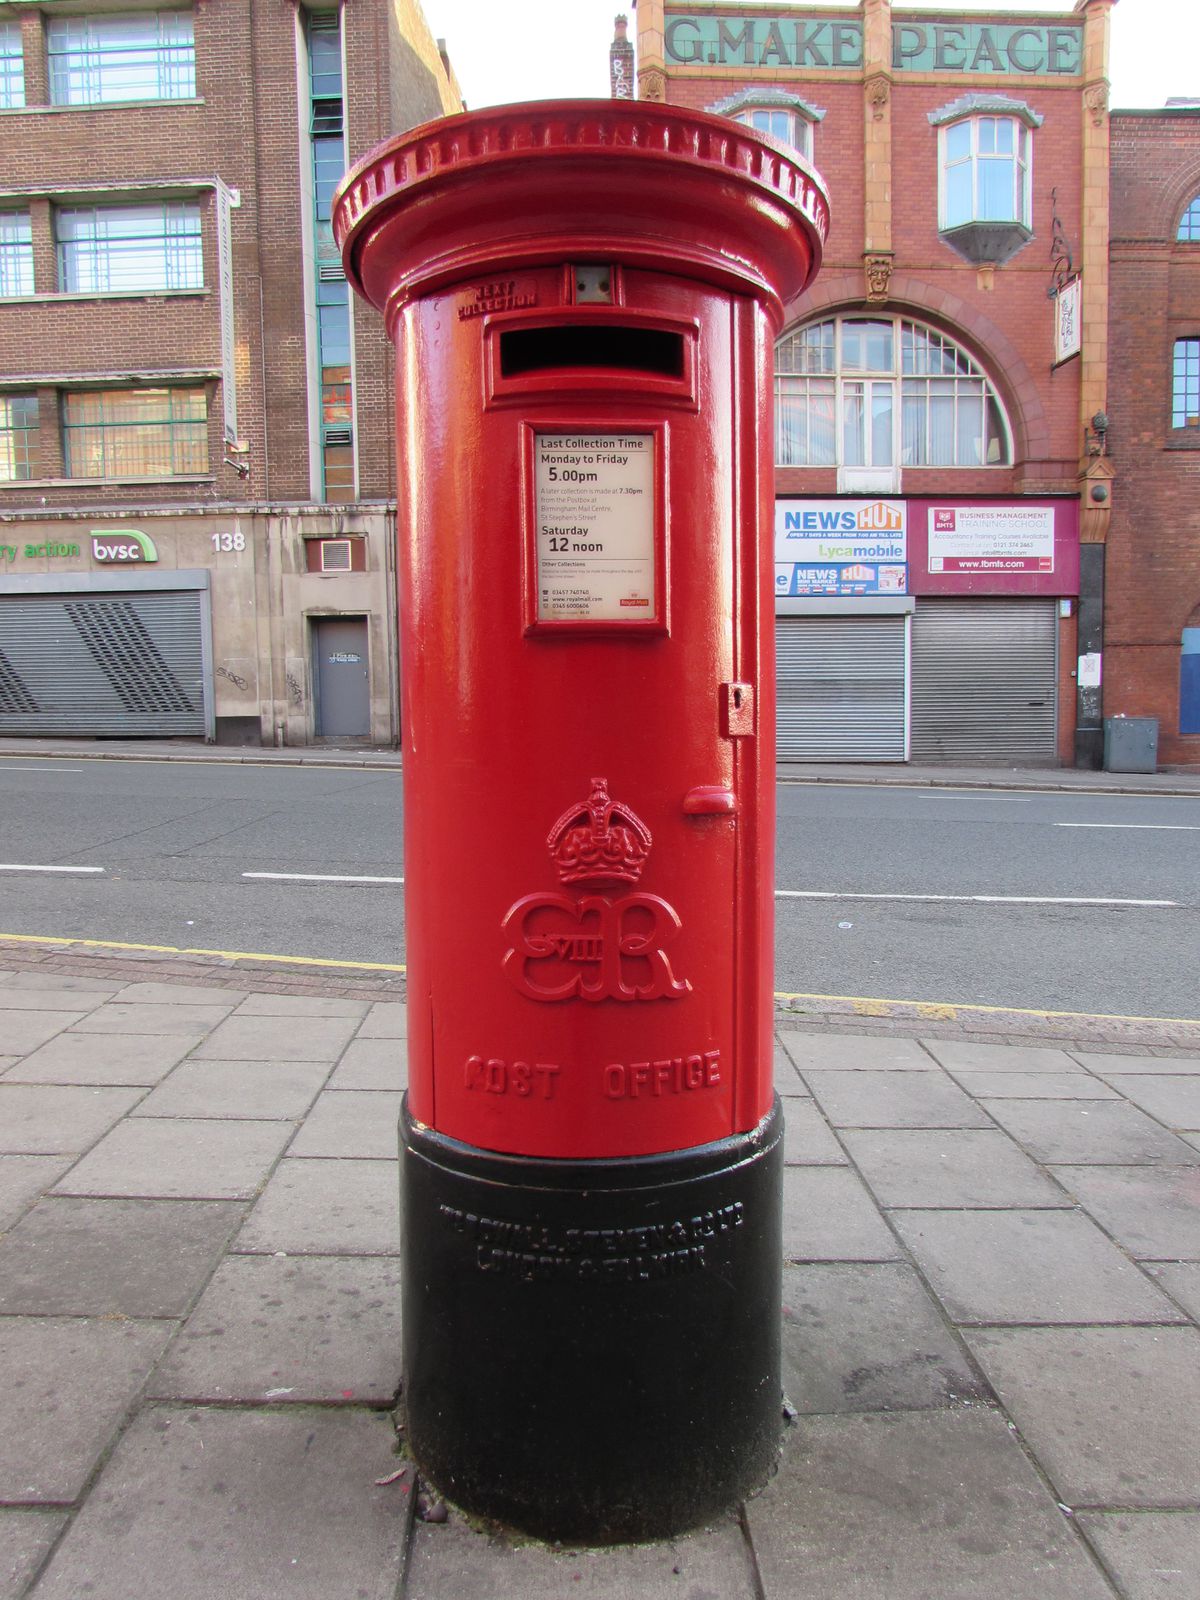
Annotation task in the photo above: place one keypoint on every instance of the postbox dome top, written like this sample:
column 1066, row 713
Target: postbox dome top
column 562, row 180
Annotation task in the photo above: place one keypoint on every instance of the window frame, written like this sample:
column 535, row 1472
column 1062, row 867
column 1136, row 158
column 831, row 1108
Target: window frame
column 1186, row 350
column 175, row 252
column 179, row 431
column 20, row 439
column 800, row 128
column 926, row 366
column 1021, row 158
column 1190, row 220
column 85, row 70
column 333, row 434
column 17, row 280
column 12, row 78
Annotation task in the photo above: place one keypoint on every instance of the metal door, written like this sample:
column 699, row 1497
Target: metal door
column 843, row 689
column 985, row 680
column 91, row 663
column 343, row 684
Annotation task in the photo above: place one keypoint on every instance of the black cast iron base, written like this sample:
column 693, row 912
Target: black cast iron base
column 591, row 1348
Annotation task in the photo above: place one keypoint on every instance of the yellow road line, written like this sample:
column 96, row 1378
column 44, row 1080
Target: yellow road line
column 948, row 1010
column 226, row 955
column 862, row 1005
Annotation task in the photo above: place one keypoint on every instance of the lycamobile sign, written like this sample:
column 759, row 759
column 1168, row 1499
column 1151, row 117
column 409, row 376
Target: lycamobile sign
column 122, row 544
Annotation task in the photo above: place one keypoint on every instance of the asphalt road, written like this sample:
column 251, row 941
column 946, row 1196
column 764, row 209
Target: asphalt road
column 877, row 886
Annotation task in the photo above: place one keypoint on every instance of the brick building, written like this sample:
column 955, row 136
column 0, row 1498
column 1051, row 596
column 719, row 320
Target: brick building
column 1152, row 610
column 196, row 455
column 940, row 513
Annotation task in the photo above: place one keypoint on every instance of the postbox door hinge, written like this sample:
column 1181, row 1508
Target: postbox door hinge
column 737, row 710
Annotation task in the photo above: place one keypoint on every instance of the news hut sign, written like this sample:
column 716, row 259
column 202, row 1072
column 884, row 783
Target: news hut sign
column 840, row 547
column 815, row 41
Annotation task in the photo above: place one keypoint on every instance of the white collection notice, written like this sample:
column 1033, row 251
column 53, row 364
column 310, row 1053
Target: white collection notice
column 595, row 527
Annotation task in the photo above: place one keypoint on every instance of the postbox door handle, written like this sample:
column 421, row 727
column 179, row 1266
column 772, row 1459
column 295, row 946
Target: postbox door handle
column 710, row 800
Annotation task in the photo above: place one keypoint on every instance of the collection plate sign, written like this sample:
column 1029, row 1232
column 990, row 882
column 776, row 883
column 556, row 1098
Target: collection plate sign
column 594, row 527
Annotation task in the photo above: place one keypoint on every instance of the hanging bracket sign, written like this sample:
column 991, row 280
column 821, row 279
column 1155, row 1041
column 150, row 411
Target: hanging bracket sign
column 594, row 527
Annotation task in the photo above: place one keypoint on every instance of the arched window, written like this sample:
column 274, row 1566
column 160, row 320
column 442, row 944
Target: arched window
column 1189, row 222
column 883, row 392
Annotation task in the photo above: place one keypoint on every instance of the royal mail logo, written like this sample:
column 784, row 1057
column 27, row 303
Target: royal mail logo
column 123, row 545
column 593, row 946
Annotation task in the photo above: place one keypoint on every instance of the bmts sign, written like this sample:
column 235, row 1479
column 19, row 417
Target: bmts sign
column 122, row 545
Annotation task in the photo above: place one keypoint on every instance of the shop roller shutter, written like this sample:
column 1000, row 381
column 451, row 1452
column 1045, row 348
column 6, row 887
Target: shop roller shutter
column 985, row 681
column 102, row 663
column 841, row 688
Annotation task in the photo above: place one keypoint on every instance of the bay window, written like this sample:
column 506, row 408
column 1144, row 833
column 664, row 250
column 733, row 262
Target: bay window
column 783, row 115
column 985, row 165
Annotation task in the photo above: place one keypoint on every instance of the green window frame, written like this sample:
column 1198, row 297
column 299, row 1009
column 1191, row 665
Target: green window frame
column 110, row 58
column 16, row 254
column 20, row 439
column 12, row 67
column 135, row 248
column 335, row 443
column 135, row 433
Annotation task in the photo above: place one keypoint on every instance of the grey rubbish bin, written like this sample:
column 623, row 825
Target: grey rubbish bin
column 1131, row 744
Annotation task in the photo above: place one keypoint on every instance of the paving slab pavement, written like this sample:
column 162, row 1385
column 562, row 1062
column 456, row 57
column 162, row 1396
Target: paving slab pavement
column 991, row 1326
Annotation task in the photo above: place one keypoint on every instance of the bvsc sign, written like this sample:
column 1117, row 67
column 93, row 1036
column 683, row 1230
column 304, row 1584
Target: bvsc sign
column 122, row 545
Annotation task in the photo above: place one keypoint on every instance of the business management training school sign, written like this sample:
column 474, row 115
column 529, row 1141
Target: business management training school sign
column 840, row 547
column 992, row 539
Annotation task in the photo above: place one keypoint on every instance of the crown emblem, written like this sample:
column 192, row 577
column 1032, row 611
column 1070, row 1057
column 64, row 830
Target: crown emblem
column 599, row 841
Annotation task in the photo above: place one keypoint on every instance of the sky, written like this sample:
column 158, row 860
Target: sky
column 1155, row 45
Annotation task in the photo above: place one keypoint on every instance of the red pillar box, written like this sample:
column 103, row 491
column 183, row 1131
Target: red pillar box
column 584, row 298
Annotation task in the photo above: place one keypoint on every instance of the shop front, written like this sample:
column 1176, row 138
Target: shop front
column 238, row 628
column 925, row 630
